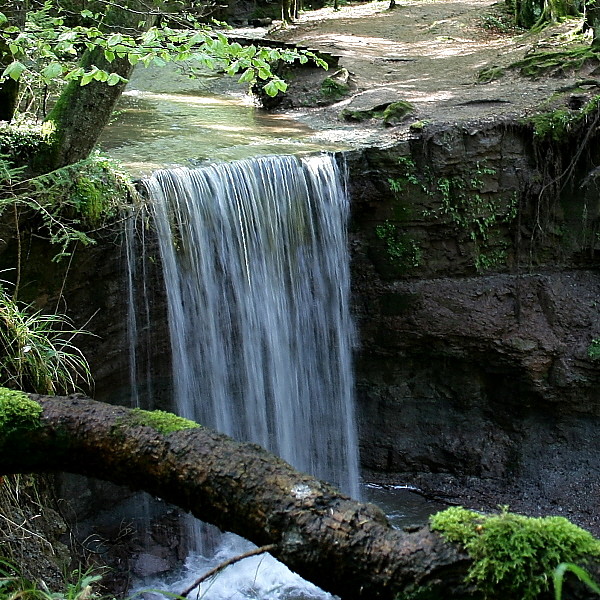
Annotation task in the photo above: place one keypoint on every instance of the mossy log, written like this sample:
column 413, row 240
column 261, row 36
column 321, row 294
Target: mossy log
column 344, row 546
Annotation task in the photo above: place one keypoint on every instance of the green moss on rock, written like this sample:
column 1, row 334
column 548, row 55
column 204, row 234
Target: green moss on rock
column 18, row 412
column 556, row 125
column 390, row 113
column 555, row 63
column 490, row 74
column 332, row 89
column 396, row 112
column 514, row 556
column 164, row 422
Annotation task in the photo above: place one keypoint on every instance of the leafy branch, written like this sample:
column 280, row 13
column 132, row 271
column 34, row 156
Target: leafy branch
column 45, row 49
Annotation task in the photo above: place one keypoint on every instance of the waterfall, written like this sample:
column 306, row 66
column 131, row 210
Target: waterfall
column 255, row 263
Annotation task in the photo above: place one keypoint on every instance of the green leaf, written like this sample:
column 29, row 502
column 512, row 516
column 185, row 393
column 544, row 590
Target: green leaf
column 113, row 79
column 271, row 89
column 582, row 575
column 247, row 76
column 101, row 75
column 265, row 74
column 14, row 70
column 87, row 77
column 114, row 39
column 74, row 74
column 3, row 18
column 67, row 36
column 53, row 70
column 87, row 14
column 149, row 36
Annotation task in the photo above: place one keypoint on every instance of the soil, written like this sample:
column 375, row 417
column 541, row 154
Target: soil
column 428, row 53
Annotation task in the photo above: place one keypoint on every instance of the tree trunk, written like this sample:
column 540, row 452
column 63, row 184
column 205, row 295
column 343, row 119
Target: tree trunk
column 286, row 11
column 344, row 546
column 341, row 545
column 592, row 20
column 81, row 113
column 9, row 89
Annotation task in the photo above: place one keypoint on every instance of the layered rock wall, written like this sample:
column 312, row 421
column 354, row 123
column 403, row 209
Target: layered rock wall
column 476, row 290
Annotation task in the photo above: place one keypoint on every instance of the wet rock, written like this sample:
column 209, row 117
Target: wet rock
column 475, row 382
column 380, row 103
column 262, row 22
column 147, row 565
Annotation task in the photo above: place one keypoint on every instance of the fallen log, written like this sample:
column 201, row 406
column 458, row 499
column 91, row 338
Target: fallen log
column 344, row 546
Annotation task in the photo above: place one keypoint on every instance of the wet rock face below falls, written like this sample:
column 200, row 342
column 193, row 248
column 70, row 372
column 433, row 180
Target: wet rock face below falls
column 473, row 377
column 455, row 392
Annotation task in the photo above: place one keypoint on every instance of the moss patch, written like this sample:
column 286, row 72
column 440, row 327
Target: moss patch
column 555, row 63
column 402, row 251
column 514, row 556
column 396, row 112
column 593, row 350
column 333, row 90
column 164, row 422
column 392, row 113
column 490, row 74
column 556, row 125
column 17, row 412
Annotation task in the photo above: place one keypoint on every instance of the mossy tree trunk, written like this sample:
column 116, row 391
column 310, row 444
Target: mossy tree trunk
column 14, row 10
column 529, row 13
column 592, row 18
column 81, row 113
column 342, row 545
column 287, row 9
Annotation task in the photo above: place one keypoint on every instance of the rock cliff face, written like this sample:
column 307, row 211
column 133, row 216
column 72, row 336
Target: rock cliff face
column 477, row 295
column 476, row 291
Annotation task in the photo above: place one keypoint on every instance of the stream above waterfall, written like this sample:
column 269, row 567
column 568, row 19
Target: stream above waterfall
column 166, row 118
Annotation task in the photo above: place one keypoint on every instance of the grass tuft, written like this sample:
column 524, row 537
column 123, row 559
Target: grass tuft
column 37, row 353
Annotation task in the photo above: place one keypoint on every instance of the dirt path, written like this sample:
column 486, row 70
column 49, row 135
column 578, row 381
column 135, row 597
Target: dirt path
column 428, row 53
